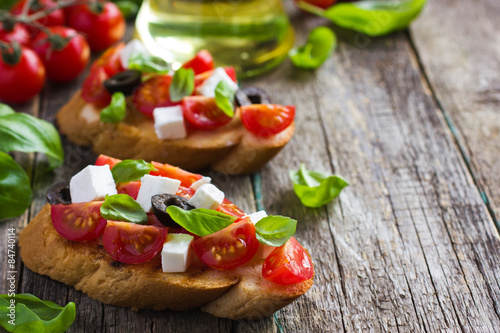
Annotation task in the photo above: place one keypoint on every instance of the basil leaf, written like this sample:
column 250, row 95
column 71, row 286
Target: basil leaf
column 7, row 4
column 116, row 110
column 182, row 84
column 275, row 230
column 148, row 63
column 130, row 170
column 27, row 134
column 319, row 47
column 315, row 189
column 15, row 189
column 121, row 207
column 30, row 314
column 224, row 98
column 128, row 9
column 375, row 17
column 5, row 110
column 200, row 221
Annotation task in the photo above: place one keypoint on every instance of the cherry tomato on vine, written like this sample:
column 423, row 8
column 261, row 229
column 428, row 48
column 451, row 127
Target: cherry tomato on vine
column 15, row 33
column 201, row 62
column 78, row 221
column 202, row 112
column 22, row 74
column 265, row 120
column 101, row 22
column 153, row 93
column 56, row 17
column 65, row 54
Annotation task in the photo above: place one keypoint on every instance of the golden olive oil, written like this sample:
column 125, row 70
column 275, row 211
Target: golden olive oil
column 251, row 35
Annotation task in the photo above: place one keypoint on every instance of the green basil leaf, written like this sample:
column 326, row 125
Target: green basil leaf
column 116, row 110
column 182, row 84
column 148, row 63
column 128, row 9
column 224, row 98
column 130, row 170
column 15, row 188
column 275, row 230
column 375, row 17
column 27, row 134
column 122, row 207
column 315, row 189
column 5, row 110
column 319, row 47
column 200, row 221
column 30, row 314
column 7, row 4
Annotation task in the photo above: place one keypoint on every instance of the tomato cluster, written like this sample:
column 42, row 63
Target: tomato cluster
column 61, row 35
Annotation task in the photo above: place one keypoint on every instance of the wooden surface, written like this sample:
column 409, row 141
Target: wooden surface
column 410, row 246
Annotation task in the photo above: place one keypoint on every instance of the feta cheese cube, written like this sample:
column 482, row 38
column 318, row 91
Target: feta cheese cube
column 177, row 255
column 92, row 183
column 257, row 216
column 132, row 47
column 90, row 114
column 207, row 88
column 204, row 180
column 207, row 196
column 151, row 185
column 169, row 123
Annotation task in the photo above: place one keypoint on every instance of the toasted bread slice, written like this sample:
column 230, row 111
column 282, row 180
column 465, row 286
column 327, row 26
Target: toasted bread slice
column 230, row 149
column 235, row 294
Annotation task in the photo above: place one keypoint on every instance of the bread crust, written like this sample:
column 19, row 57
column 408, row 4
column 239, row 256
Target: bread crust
column 236, row 294
column 229, row 149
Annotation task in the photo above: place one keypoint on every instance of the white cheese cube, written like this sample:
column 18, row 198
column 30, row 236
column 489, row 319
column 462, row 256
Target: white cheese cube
column 204, row 180
column 90, row 114
column 207, row 196
column 151, row 185
column 176, row 255
column 92, row 183
column 169, row 123
column 257, row 216
column 207, row 88
column 132, row 47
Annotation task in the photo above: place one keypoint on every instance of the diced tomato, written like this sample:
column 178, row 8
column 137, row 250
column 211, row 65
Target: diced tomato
column 129, row 188
column 166, row 170
column 132, row 243
column 200, row 78
column 230, row 208
column 104, row 159
column 153, row 93
column 265, row 120
column 93, row 90
column 228, row 248
column 203, row 113
column 201, row 62
column 110, row 60
column 186, row 192
column 78, row 221
column 288, row 264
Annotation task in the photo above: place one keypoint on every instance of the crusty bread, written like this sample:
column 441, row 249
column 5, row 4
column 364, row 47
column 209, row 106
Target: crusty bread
column 236, row 294
column 230, row 149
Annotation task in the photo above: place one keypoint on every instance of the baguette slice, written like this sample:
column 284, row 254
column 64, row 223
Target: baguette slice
column 236, row 294
column 229, row 149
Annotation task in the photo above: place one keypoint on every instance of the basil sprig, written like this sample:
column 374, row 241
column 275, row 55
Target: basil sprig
column 316, row 189
column 116, row 110
column 148, row 63
column 15, row 189
column 34, row 315
column 224, row 98
column 319, row 47
column 130, row 170
column 121, row 207
column 182, row 84
column 200, row 221
column 275, row 230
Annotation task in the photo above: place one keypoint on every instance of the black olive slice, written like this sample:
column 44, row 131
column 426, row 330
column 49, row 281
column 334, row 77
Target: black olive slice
column 252, row 95
column 160, row 202
column 124, row 82
column 59, row 193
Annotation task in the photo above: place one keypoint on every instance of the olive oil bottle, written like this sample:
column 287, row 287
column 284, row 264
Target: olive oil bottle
column 251, row 35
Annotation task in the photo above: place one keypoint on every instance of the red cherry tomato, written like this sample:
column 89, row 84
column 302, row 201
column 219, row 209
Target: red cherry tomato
column 78, row 221
column 132, row 243
column 18, row 33
column 153, row 93
column 54, row 18
column 129, row 188
column 186, row 192
column 203, row 113
column 288, row 264
column 265, row 120
column 228, row 248
column 166, row 170
column 110, row 60
column 201, row 62
column 101, row 22
column 230, row 208
column 22, row 75
column 104, row 159
column 93, row 90
column 319, row 3
column 200, row 78
column 63, row 63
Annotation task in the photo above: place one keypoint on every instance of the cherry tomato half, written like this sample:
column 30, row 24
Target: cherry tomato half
column 166, row 170
column 265, row 120
column 104, row 159
column 200, row 78
column 18, row 34
column 288, row 264
column 132, row 243
column 201, row 62
column 153, row 93
column 202, row 113
column 93, row 90
column 129, row 188
column 229, row 208
column 78, row 221
column 228, row 248
column 110, row 60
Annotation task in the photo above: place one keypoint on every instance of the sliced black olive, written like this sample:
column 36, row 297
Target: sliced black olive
column 252, row 95
column 160, row 202
column 59, row 193
column 124, row 82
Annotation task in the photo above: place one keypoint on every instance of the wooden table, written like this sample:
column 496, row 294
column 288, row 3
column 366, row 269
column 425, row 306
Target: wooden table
column 412, row 121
